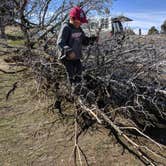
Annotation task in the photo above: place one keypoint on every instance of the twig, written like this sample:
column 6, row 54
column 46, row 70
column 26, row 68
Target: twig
column 11, row 90
column 134, row 128
column 125, row 139
column 12, row 72
column 89, row 110
column 77, row 148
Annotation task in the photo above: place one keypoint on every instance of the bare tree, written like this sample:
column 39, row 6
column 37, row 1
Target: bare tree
column 42, row 18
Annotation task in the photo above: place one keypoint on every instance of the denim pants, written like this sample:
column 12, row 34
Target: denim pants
column 74, row 70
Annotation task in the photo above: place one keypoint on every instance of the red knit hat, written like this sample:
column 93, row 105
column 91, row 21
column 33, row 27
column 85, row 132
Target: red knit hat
column 78, row 14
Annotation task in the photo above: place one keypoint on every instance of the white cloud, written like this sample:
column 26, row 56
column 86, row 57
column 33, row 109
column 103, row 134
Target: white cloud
column 145, row 20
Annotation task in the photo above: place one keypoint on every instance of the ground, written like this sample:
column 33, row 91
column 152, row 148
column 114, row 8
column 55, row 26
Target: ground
column 32, row 135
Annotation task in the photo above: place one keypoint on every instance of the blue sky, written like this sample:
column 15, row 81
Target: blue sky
column 145, row 13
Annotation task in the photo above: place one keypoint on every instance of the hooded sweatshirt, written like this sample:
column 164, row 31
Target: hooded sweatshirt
column 73, row 38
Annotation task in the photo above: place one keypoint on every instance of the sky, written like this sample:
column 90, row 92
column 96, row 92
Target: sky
column 145, row 13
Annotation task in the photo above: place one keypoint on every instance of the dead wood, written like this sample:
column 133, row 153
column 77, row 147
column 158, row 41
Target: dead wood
column 13, row 72
column 11, row 90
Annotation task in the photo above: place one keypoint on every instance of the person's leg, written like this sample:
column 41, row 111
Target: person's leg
column 78, row 71
column 70, row 70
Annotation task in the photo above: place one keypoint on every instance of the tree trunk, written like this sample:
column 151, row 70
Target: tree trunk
column 2, row 29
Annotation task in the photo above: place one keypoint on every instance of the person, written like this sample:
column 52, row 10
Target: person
column 70, row 40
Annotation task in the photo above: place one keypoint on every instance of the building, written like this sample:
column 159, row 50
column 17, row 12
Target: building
column 98, row 23
column 106, row 24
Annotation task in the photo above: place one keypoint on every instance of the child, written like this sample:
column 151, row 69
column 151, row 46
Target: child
column 70, row 41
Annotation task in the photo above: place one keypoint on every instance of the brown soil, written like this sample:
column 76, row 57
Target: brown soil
column 27, row 136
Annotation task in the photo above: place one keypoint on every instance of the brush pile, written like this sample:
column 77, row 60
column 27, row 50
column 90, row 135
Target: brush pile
column 132, row 76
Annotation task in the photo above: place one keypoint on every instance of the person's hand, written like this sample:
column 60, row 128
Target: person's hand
column 71, row 56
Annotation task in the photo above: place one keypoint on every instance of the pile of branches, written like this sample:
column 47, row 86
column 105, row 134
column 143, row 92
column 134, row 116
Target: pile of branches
column 133, row 75
column 123, row 89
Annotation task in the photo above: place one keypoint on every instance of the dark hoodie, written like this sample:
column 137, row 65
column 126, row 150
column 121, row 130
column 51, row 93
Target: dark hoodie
column 73, row 38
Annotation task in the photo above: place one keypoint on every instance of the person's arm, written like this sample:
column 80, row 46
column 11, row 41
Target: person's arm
column 63, row 38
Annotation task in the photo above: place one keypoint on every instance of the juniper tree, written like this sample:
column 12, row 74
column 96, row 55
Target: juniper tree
column 153, row 31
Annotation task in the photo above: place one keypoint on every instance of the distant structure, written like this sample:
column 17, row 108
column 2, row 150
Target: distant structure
column 113, row 25
column 99, row 22
column 117, row 23
column 140, row 32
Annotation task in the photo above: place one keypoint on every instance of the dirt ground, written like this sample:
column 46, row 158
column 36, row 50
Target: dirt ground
column 31, row 135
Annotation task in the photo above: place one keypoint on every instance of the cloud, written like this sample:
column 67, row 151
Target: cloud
column 145, row 20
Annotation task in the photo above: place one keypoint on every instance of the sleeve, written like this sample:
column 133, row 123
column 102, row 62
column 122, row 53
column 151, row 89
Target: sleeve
column 63, row 38
column 88, row 40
